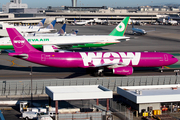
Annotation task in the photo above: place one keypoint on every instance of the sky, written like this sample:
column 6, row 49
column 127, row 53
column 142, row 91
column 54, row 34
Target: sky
column 92, row 3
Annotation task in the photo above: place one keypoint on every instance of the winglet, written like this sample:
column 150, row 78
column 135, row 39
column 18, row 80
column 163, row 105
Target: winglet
column 120, row 28
column 20, row 44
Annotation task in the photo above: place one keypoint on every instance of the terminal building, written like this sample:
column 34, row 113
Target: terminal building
column 151, row 98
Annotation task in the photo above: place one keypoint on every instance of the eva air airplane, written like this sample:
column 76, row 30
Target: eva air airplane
column 56, row 43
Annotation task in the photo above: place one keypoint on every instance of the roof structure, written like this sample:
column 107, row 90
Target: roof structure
column 78, row 92
column 151, row 94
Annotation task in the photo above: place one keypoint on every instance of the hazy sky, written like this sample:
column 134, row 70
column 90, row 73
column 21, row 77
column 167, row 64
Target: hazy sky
column 96, row 3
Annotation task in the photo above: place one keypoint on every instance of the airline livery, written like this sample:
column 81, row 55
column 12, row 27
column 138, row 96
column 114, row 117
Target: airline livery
column 73, row 41
column 121, row 63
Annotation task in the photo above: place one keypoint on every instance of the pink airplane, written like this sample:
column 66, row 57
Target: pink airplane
column 121, row 63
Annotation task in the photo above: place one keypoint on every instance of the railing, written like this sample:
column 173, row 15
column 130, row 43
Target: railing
column 23, row 87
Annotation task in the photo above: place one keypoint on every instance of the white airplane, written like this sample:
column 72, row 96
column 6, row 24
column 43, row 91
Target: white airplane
column 171, row 22
column 62, row 32
column 101, row 21
column 82, row 22
column 49, row 28
column 32, row 29
column 21, row 29
column 53, row 43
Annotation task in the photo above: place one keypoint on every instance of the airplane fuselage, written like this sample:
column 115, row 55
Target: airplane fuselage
column 92, row 59
column 39, row 41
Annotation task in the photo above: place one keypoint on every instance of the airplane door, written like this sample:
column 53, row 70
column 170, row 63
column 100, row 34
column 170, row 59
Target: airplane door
column 165, row 57
column 43, row 57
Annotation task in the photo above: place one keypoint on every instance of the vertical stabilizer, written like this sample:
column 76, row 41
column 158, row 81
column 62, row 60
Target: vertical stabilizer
column 120, row 28
column 42, row 22
column 62, row 30
column 51, row 26
column 74, row 20
column 20, row 44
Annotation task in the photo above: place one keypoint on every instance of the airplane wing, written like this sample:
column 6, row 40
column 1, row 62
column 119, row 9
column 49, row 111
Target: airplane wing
column 24, row 56
column 151, row 30
column 69, row 45
column 10, row 51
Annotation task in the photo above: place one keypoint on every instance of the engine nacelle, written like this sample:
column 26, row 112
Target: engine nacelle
column 127, row 70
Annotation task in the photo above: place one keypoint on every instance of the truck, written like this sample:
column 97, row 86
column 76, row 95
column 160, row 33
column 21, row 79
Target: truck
column 29, row 115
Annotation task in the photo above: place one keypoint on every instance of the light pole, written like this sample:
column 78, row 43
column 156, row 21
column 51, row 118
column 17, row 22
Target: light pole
column 31, row 85
column 176, row 71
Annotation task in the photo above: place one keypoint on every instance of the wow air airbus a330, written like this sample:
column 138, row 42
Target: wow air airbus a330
column 53, row 43
column 121, row 63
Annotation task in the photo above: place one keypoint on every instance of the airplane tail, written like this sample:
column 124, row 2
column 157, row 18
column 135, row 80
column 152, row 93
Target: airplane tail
column 120, row 28
column 63, row 29
column 51, row 26
column 74, row 20
column 20, row 44
column 41, row 23
column 74, row 32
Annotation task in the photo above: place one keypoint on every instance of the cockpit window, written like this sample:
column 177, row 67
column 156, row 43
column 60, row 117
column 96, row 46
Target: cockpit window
column 173, row 57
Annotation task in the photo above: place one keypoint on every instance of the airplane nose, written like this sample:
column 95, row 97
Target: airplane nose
column 176, row 60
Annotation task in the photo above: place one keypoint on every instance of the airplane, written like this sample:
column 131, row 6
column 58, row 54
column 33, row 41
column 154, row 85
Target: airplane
column 39, row 25
column 49, row 28
column 101, row 21
column 138, row 30
column 62, row 32
column 53, row 43
column 121, row 63
column 82, row 22
column 171, row 22
column 21, row 29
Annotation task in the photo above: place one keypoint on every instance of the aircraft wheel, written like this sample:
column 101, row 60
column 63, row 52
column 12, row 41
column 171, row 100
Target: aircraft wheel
column 95, row 74
column 101, row 74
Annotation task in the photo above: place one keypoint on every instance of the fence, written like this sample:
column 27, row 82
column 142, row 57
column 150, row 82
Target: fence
column 124, row 112
column 15, row 87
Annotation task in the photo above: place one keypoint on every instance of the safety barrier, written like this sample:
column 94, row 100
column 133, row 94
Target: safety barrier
column 23, row 87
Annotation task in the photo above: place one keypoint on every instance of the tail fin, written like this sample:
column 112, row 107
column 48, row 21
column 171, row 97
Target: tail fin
column 62, row 30
column 20, row 44
column 74, row 20
column 74, row 32
column 51, row 26
column 121, row 28
column 41, row 23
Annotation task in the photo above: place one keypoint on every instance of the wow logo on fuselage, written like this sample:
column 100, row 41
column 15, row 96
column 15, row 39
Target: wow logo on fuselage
column 19, row 42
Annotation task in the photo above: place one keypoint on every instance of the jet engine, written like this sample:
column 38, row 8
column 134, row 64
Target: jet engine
column 127, row 70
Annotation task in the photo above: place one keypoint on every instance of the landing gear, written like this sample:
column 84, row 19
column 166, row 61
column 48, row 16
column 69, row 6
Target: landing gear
column 162, row 69
column 96, row 72
column 99, row 72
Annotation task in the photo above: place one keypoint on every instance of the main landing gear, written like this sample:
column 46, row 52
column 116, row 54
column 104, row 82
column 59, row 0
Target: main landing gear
column 96, row 72
column 162, row 69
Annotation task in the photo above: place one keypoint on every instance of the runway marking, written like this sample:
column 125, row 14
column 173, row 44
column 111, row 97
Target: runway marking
column 167, row 67
column 13, row 63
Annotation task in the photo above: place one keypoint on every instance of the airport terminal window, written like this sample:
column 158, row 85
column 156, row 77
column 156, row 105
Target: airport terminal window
column 1, row 27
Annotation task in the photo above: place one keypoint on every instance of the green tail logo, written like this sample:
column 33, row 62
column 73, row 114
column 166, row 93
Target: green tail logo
column 121, row 28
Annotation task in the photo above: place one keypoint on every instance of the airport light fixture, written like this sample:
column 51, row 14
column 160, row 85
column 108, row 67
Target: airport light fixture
column 31, row 85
